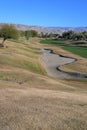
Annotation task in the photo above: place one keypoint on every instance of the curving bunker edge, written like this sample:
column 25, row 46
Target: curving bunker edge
column 53, row 61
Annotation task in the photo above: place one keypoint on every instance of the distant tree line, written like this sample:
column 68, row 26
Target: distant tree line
column 67, row 35
column 10, row 32
column 29, row 33
column 71, row 35
column 49, row 35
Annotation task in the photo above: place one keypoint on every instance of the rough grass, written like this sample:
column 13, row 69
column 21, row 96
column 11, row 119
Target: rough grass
column 78, row 66
column 30, row 100
column 22, row 56
column 23, row 107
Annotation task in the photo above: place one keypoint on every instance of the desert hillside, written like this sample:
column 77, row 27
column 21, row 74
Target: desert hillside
column 32, row 100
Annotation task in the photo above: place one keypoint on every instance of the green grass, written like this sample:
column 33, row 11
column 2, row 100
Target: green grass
column 51, row 42
column 82, row 51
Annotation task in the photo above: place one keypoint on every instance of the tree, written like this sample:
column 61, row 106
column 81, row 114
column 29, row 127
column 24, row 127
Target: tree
column 22, row 33
column 85, row 35
column 78, row 36
column 68, row 34
column 30, row 33
column 33, row 33
column 27, row 34
column 44, row 35
column 8, row 32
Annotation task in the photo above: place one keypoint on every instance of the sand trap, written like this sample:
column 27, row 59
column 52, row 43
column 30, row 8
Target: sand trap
column 52, row 62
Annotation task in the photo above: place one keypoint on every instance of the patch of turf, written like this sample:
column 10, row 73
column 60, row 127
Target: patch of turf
column 51, row 42
column 82, row 51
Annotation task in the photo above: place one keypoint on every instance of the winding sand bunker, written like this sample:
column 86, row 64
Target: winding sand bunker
column 53, row 61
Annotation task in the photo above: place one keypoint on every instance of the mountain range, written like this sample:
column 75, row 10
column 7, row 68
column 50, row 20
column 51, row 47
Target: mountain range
column 56, row 30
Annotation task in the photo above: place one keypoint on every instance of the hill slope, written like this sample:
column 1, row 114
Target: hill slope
column 31, row 100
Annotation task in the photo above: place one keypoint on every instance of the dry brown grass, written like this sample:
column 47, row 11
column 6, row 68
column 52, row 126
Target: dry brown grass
column 78, row 66
column 35, row 101
column 26, row 108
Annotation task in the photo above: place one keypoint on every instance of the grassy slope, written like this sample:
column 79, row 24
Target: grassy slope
column 21, row 56
column 30, row 100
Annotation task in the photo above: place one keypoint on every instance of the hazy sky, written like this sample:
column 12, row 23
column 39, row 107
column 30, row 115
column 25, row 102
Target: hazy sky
column 44, row 12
